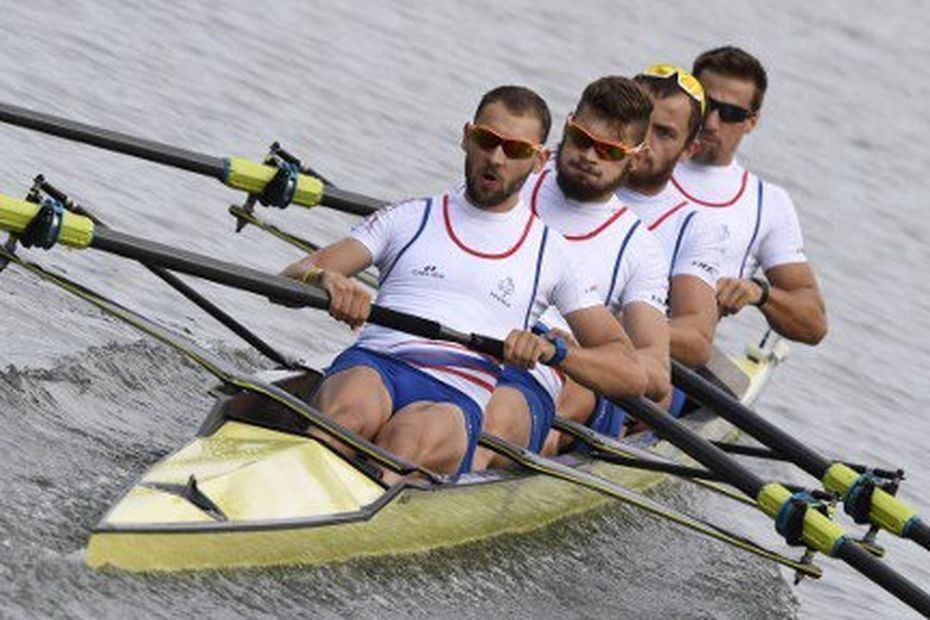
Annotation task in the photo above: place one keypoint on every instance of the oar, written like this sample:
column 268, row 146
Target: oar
column 790, row 512
column 864, row 500
column 235, row 172
column 79, row 232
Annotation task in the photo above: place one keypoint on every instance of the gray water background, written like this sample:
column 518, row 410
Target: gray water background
column 374, row 95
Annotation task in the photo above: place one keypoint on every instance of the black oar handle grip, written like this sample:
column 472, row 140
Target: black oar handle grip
column 434, row 330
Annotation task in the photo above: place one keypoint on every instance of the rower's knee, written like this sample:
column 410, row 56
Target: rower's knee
column 507, row 416
column 433, row 435
column 356, row 399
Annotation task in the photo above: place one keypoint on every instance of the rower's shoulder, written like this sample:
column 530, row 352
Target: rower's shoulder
column 396, row 217
column 772, row 191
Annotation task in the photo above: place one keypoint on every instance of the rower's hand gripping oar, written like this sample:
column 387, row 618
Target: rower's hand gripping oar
column 277, row 185
column 793, row 519
column 864, row 497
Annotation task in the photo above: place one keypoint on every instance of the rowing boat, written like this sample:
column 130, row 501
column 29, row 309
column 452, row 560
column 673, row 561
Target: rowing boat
column 254, row 490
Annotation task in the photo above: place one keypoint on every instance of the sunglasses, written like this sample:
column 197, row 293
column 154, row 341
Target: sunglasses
column 729, row 113
column 608, row 151
column 487, row 139
column 687, row 82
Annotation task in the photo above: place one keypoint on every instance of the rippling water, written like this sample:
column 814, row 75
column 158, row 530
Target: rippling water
column 374, row 95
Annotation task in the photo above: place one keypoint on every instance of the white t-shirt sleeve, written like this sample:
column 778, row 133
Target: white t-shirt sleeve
column 386, row 231
column 701, row 249
column 780, row 241
column 571, row 289
column 648, row 282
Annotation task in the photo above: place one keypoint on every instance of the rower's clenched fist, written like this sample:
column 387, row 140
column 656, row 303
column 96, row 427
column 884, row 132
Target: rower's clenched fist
column 734, row 294
column 348, row 302
column 524, row 349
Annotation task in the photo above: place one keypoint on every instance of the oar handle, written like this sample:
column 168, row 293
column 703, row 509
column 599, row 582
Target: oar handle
column 434, row 330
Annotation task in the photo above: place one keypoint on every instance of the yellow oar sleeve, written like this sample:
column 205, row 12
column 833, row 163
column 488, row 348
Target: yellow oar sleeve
column 819, row 532
column 77, row 231
column 252, row 177
column 886, row 510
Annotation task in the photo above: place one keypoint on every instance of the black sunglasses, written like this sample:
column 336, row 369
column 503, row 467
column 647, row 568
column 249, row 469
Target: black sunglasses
column 729, row 113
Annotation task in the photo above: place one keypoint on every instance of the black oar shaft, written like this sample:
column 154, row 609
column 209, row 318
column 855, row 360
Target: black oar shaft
column 275, row 287
column 114, row 141
column 233, row 325
column 161, row 153
column 880, row 573
column 740, row 416
column 694, row 445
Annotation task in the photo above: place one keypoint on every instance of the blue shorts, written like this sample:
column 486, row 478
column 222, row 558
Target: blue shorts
column 607, row 418
column 542, row 409
column 407, row 384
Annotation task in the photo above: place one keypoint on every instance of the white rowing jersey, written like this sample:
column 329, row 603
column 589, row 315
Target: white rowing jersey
column 758, row 219
column 690, row 236
column 612, row 247
column 473, row 270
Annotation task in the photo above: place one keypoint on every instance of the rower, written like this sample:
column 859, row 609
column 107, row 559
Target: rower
column 759, row 220
column 474, row 258
column 689, row 235
column 575, row 195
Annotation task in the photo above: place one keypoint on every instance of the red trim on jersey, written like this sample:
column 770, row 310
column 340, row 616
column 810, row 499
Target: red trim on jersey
column 583, row 236
column 667, row 214
column 459, row 373
column 458, row 242
column 727, row 203
column 536, row 188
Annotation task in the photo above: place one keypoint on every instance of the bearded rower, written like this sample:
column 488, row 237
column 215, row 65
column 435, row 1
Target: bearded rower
column 575, row 195
column 759, row 220
column 690, row 237
column 476, row 259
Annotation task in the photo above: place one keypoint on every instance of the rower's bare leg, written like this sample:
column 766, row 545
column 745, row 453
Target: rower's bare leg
column 355, row 398
column 575, row 403
column 432, row 435
column 506, row 416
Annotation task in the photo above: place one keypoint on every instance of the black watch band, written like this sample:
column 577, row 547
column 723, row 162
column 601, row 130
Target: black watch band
column 765, row 291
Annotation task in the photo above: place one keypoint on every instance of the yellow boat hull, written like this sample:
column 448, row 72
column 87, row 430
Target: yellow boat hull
column 279, row 498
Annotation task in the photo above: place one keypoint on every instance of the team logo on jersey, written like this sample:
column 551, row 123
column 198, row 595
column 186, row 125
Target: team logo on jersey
column 505, row 288
column 429, row 271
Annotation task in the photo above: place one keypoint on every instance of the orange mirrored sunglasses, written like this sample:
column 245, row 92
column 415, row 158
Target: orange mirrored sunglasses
column 608, row 151
column 487, row 139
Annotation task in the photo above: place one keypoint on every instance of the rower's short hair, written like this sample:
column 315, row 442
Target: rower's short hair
column 620, row 99
column 662, row 88
column 521, row 101
column 732, row 61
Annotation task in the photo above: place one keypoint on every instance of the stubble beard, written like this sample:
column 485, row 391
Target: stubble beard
column 653, row 180
column 578, row 187
column 489, row 199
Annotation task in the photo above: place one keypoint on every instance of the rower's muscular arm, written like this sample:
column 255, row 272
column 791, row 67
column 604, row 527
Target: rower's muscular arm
column 330, row 268
column 692, row 320
column 795, row 308
column 346, row 257
column 606, row 361
column 649, row 332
